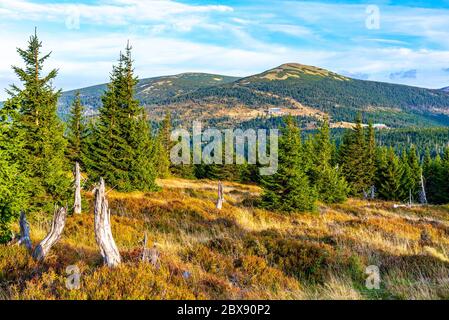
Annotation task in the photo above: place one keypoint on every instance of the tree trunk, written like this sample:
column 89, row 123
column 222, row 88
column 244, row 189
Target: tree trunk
column 146, row 251
column 77, row 202
column 422, row 193
column 53, row 236
column 220, row 196
column 25, row 232
column 103, row 233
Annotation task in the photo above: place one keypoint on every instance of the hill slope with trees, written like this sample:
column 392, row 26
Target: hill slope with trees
column 294, row 89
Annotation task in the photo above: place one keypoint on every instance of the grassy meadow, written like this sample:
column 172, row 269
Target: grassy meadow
column 240, row 252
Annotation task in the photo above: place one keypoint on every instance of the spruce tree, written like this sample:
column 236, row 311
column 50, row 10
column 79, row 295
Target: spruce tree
column 13, row 184
column 371, row 156
column 415, row 171
column 435, row 177
column 165, row 167
column 407, row 179
column 121, row 150
column 288, row 190
column 142, row 166
column 353, row 157
column 328, row 181
column 107, row 146
column 34, row 117
column 77, row 132
column 436, row 181
column 389, row 176
column 444, row 177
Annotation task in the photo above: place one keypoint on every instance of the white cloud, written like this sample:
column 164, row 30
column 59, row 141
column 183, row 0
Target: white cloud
column 115, row 12
column 85, row 57
column 290, row 29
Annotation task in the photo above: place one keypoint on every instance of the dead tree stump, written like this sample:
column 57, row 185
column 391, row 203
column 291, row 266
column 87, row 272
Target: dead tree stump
column 145, row 252
column 220, row 196
column 42, row 249
column 53, row 236
column 25, row 232
column 150, row 255
column 422, row 192
column 103, row 233
column 77, row 186
column 154, row 257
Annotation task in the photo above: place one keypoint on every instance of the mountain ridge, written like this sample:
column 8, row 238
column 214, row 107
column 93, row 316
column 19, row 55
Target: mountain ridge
column 308, row 92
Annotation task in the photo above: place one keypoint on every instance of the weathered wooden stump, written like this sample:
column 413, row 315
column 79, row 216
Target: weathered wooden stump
column 57, row 227
column 154, row 257
column 77, row 186
column 146, row 251
column 103, row 233
column 422, row 192
column 220, row 196
column 150, row 255
column 25, row 232
column 42, row 249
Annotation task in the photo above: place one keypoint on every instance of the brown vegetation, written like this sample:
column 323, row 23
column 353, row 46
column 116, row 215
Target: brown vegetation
column 239, row 252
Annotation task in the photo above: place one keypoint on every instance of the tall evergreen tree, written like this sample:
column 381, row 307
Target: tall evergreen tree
column 13, row 186
column 33, row 114
column 407, row 178
column 288, row 190
column 77, row 131
column 415, row 171
column 354, row 159
column 121, row 150
column 163, row 147
column 435, row 178
column 371, row 156
column 328, row 181
column 389, row 176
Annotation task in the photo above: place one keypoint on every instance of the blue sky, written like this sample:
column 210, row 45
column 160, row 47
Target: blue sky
column 394, row 41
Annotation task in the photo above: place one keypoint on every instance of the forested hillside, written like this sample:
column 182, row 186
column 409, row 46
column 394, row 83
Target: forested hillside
column 148, row 90
column 294, row 89
column 434, row 139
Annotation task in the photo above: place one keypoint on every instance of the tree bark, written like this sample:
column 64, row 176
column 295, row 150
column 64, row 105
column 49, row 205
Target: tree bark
column 53, row 236
column 422, row 192
column 25, row 232
column 103, row 233
column 145, row 252
column 220, row 196
column 77, row 202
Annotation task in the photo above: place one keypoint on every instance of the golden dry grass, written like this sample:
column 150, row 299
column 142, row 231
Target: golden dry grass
column 240, row 252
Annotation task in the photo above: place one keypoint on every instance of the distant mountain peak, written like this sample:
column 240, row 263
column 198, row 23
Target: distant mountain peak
column 293, row 70
column 296, row 89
